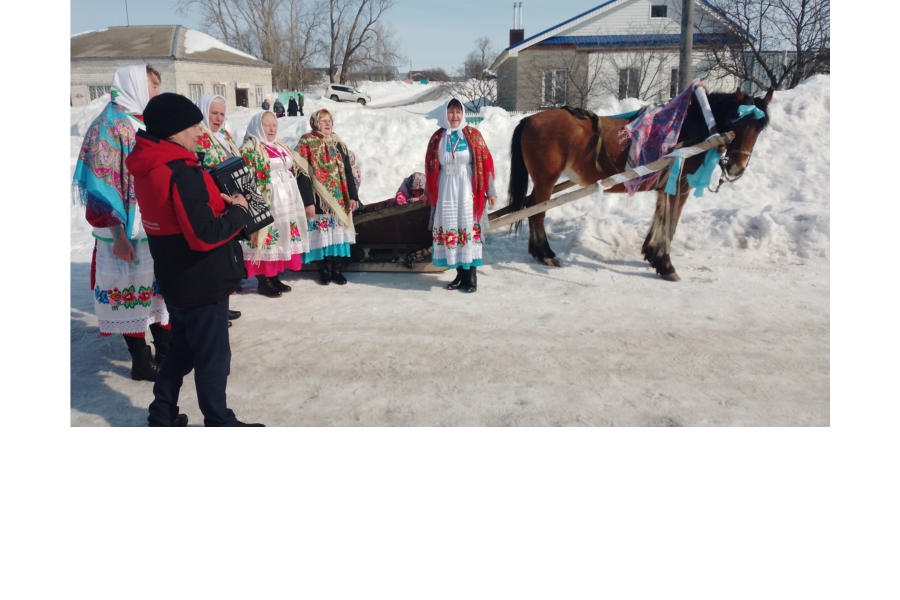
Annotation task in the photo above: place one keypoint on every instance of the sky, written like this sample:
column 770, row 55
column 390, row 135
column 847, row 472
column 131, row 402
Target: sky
column 427, row 32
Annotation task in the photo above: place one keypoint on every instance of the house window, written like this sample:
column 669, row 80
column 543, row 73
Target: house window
column 219, row 89
column 629, row 84
column 673, row 84
column 195, row 90
column 555, row 87
column 98, row 90
column 259, row 95
column 658, row 10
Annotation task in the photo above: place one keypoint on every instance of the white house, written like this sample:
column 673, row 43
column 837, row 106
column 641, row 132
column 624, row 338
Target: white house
column 624, row 48
column 192, row 63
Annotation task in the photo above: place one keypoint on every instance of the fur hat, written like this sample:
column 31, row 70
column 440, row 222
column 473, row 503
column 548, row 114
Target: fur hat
column 168, row 113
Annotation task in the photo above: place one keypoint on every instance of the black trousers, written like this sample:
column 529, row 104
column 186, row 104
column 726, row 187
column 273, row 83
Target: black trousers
column 199, row 343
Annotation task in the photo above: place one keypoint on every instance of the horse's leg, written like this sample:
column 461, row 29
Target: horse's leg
column 538, row 246
column 658, row 243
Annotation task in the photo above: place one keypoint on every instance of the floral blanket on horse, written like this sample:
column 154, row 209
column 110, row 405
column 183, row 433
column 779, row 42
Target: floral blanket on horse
column 653, row 134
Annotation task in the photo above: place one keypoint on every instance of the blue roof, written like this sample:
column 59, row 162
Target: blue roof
column 631, row 40
column 643, row 41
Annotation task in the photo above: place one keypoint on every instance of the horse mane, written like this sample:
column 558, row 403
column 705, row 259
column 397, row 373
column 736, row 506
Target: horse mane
column 724, row 106
column 580, row 113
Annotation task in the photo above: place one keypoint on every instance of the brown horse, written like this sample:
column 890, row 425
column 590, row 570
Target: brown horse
column 561, row 141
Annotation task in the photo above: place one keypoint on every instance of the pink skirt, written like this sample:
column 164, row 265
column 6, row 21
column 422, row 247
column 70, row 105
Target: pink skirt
column 271, row 268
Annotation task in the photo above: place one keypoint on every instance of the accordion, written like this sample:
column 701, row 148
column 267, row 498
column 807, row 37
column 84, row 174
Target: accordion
column 233, row 176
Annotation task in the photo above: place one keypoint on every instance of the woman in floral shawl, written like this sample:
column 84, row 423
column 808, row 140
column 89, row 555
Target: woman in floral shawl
column 215, row 144
column 279, row 246
column 329, row 162
column 459, row 177
column 126, row 295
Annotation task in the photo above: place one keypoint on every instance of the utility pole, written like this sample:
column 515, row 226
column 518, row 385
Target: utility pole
column 685, row 71
column 127, row 20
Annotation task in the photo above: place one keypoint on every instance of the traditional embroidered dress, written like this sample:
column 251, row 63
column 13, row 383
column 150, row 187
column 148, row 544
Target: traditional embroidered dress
column 216, row 147
column 126, row 295
column 328, row 160
column 459, row 173
column 281, row 245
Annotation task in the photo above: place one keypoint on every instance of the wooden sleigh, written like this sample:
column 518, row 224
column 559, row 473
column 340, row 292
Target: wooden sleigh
column 392, row 237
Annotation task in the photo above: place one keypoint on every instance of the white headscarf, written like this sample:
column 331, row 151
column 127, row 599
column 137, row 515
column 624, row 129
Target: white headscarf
column 130, row 89
column 255, row 128
column 203, row 103
column 444, row 122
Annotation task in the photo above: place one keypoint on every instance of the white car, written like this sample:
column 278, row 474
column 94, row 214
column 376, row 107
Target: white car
column 339, row 93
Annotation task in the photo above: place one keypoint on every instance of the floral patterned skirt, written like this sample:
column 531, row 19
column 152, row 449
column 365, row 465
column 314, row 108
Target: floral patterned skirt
column 126, row 295
column 281, row 244
column 456, row 236
column 327, row 238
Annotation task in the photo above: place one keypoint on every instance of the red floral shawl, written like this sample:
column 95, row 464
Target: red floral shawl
column 482, row 168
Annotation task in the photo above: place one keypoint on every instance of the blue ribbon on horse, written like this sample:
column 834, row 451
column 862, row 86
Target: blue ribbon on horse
column 699, row 180
column 748, row 109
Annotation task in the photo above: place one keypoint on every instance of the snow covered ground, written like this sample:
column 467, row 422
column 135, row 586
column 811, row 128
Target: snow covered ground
column 743, row 339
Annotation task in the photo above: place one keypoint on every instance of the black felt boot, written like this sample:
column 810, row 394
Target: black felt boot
column 471, row 284
column 279, row 284
column 142, row 366
column 265, row 287
column 325, row 272
column 453, row 285
column 161, row 339
column 337, row 266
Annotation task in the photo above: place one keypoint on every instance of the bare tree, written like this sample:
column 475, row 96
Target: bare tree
column 282, row 32
column 353, row 34
column 478, row 86
column 781, row 42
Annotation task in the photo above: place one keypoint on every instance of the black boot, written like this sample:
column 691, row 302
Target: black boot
column 458, row 281
column 471, row 280
column 161, row 339
column 265, row 287
column 325, row 272
column 337, row 265
column 279, row 284
column 142, row 365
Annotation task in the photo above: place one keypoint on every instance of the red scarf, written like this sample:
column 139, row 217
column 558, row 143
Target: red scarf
column 482, row 168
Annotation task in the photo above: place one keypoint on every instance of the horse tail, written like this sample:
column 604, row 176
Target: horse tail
column 518, row 172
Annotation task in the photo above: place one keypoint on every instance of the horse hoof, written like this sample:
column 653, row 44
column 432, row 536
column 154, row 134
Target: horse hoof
column 552, row 262
column 671, row 276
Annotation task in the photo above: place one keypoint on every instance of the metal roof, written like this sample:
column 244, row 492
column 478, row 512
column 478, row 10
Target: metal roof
column 147, row 42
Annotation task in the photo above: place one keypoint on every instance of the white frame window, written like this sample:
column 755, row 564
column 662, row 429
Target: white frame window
column 195, row 90
column 554, row 87
column 96, row 91
column 259, row 95
column 629, row 83
column 219, row 89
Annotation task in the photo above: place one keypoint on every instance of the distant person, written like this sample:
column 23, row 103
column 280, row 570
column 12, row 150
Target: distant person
column 459, row 177
column 192, row 230
column 278, row 247
column 126, row 295
column 278, row 108
column 292, row 107
column 215, row 144
column 265, row 104
column 329, row 163
column 412, row 189
column 300, row 102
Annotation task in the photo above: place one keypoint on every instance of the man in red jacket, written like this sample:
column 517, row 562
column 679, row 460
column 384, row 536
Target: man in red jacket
column 192, row 231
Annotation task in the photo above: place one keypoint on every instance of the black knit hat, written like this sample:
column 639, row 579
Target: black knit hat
column 168, row 113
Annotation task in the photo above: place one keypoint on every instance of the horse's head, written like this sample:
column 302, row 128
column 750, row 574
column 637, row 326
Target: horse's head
column 746, row 116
